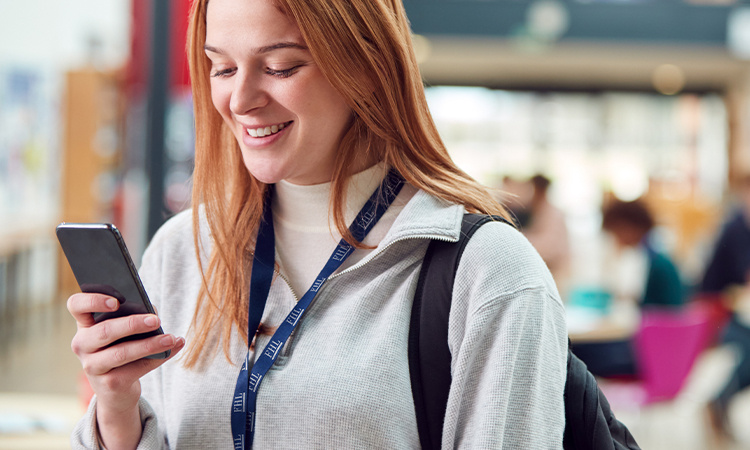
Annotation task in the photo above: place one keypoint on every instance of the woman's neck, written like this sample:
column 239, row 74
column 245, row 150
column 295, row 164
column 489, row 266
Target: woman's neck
column 308, row 207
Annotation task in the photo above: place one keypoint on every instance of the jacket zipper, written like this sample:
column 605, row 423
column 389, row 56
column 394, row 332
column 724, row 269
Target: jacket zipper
column 289, row 285
column 288, row 344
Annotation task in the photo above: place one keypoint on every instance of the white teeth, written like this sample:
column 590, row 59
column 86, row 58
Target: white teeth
column 267, row 131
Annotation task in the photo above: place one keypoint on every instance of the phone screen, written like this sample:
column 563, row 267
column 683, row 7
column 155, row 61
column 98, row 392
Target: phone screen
column 101, row 264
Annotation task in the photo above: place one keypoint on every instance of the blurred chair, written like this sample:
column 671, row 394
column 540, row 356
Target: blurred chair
column 667, row 344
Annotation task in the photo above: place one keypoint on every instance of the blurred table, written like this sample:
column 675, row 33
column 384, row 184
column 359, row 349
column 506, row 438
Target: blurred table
column 618, row 322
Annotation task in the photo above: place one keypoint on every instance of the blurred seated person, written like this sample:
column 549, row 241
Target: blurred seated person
column 728, row 275
column 630, row 224
column 547, row 231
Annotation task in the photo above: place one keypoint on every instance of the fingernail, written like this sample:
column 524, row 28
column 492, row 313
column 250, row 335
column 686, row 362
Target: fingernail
column 151, row 321
column 167, row 340
column 111, row 303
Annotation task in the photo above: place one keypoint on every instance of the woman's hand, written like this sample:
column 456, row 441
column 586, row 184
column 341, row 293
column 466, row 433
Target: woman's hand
column 114, row 371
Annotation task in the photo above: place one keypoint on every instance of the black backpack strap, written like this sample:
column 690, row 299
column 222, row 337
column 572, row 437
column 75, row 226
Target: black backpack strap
column 429, row 355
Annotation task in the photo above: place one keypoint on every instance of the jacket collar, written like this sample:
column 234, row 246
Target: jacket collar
column 425, row 216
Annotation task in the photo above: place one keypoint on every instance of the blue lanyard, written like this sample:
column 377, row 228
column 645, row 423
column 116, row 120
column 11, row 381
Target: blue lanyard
column 261, row 276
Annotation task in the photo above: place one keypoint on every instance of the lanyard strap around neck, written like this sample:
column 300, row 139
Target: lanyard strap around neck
column 249, row 379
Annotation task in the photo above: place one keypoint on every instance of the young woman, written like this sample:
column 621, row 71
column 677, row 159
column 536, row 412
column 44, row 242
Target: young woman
column 304, row 110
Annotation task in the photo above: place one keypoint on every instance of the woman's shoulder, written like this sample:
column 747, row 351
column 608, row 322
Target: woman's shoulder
column 499, row 240
column 499, row 254
column 175, row 230
column 170, row 260
column 175, row 238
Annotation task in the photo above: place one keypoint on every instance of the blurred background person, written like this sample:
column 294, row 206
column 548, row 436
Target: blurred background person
column 727, row 276
column 516, row 194
column 630, row 224
column 547, row 231
column 653, row 281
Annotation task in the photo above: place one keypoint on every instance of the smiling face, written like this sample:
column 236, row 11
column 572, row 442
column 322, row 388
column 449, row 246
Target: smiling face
column 285, row 115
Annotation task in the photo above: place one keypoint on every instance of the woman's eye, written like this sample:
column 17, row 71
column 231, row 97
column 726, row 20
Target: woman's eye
column 223, row 73
column 285, row 73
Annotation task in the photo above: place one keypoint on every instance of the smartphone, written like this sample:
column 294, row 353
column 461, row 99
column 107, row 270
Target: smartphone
column 101, row 264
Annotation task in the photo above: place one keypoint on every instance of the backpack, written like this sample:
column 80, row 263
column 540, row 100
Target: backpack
column 589, row 421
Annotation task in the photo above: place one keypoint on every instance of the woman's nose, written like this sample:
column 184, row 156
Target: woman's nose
column 248, row 94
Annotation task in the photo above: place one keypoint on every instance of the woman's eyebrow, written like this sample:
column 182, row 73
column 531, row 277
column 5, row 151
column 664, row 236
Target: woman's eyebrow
column 280, row 45
column 261, row 50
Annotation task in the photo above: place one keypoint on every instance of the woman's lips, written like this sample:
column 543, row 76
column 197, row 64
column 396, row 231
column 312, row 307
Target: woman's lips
column 269, row 130
column 262, row 137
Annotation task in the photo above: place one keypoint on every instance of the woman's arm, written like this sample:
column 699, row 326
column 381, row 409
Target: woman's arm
column 509, row 345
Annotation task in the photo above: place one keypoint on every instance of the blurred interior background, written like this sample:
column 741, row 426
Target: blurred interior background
column 606, row 100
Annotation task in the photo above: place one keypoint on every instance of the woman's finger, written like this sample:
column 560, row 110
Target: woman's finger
column 126, row 353
column 98, row 336
column 82, row 305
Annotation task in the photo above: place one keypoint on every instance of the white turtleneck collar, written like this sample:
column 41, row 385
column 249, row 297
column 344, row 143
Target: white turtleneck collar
column 304, row 229
column 306, row 208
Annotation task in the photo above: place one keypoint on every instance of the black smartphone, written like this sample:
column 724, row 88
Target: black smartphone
column 101, row 264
